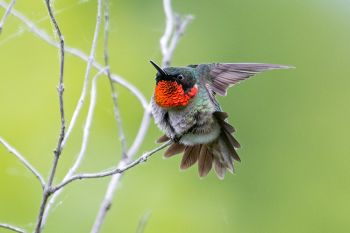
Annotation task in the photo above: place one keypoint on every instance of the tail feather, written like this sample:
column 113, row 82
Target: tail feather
column 230, row 143
column 220, row 153
column 190, row 156
column 205, row 161
column 220, row 169
column 174, row 149
column 226, row 153
column 162, row 139
column 224, row 147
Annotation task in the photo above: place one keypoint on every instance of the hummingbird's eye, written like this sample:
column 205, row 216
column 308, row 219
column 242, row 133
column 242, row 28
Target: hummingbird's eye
column 180, row 77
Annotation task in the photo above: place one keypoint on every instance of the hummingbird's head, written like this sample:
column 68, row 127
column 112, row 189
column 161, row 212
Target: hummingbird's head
column 175, row 86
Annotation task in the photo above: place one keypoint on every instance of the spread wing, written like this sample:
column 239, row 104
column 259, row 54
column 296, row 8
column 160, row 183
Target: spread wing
column 224, row 75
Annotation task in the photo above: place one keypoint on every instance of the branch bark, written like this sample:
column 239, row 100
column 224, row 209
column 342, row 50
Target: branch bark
column 12, row 228
column 118, row 170
column 58, row 150
column 113, row 90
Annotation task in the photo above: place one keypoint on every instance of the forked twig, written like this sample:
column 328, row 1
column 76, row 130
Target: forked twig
column 174, row 29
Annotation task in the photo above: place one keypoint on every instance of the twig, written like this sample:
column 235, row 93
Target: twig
column 88, row 67
column 181, row 25
column 169, row 25
column 58, row 150
column 78, row 108
column 167, row 50
column 12, row 228
column 174, row 29
column 107, row 201
column 86, row 134
column 143, row 222
column 7, row 13
column 21, row 158
column 76, row 52
column 113, row 91
column 113, row 171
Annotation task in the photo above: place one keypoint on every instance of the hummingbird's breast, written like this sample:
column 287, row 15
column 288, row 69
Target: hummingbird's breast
column 194, row 123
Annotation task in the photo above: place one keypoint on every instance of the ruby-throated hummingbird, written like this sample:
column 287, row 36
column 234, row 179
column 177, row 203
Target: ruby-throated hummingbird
column 185, row 108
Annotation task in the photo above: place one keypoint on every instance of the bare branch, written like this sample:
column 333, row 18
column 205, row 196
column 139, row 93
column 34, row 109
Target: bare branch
column 58, row 150
column 12, row 228
column 112, row 186
column 169, row 25
column 60, row 85
column 81, row 155
column 180, row 28
column 141, row 133
column 113, row 91
column 76, row 52
column 21, row 158
column 118, row 169
column 174, row 29
column 7, row 13
column 88, row 67
column 143, row 222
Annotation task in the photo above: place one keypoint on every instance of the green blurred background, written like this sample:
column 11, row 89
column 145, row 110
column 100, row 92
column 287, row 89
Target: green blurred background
column 293, row 125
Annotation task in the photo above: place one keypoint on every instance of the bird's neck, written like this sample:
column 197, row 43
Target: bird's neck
column 170, row 94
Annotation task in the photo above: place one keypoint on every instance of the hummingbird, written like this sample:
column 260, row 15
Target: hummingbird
column 184, row 107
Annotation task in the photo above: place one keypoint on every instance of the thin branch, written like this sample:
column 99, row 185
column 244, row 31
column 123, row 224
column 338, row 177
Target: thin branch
column 112, row 186
column 75, row 52
column 86, row 134
column 180, row 28
column 147, row 115
column 78, row 108
column 60, row 85
column 172, row 28
column 58, row 150
column 88, row 67
column 12, row 228
column 21, row 158
column 113, row 91
column 169, row 25
column 143, row 222
column 113, row 171
column 7, row 13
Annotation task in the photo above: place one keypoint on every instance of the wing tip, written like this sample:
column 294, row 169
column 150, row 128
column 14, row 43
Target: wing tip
column 285, row 67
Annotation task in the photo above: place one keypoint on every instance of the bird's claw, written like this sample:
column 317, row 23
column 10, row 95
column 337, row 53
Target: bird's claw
column 176, row 139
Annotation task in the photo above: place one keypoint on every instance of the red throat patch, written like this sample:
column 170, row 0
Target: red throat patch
column 171, row 94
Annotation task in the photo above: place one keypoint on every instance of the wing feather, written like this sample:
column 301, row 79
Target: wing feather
column 224, row 75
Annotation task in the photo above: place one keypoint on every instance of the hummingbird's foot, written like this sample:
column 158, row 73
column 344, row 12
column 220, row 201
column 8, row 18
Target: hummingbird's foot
column 176, row 139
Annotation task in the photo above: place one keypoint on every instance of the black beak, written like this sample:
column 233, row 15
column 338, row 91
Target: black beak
column 160, row 70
